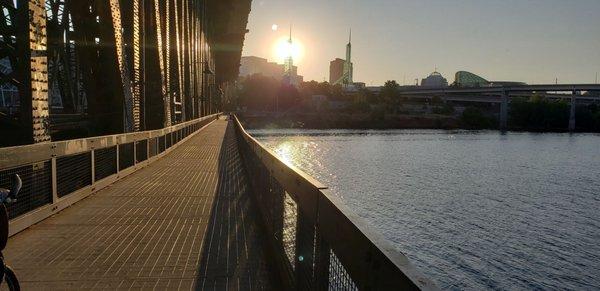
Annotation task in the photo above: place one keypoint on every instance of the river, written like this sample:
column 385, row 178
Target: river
column 472, row 210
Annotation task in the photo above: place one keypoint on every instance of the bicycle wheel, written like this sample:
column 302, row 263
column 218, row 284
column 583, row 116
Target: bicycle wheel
column 11, row 279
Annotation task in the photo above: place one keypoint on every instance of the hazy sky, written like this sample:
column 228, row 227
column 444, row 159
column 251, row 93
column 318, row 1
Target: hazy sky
column 534, row 41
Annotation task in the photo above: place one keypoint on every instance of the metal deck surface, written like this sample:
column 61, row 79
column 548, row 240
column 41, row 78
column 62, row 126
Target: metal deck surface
column 184, row 222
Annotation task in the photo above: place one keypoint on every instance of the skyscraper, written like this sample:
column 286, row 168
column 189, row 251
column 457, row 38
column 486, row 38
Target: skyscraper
column 348, row 70
column 288, row 75
column 346, row 78
column 336, row 70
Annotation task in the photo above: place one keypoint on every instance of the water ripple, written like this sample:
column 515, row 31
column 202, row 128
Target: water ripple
column 473, row 210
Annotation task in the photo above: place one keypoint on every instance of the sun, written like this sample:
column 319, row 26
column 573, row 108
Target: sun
column 283, row 49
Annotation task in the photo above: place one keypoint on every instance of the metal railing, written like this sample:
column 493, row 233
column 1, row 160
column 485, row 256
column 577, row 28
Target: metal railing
column 57, row 174
column 317, row 243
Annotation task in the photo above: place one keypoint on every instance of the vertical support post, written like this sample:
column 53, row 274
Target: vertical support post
column 33, row 71
column 504, row 112
column 93, row 163
column 118, row 162
column 54, row 181
column 573, row 110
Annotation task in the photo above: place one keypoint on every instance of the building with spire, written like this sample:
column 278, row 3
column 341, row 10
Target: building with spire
column 346, row 77
column 290, row 72
column 289, row 61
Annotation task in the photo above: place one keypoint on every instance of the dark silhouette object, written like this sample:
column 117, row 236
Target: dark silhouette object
column 8, row 197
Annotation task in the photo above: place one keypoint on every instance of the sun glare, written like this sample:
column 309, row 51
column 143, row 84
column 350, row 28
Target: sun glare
column 283, row 49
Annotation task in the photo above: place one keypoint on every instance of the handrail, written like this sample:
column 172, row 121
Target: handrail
column 57, row 174
column 26, row 154
column 332, row 247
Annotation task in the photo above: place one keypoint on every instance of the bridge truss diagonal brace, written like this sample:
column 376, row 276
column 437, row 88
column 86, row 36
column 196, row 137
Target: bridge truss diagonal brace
column 131, row 102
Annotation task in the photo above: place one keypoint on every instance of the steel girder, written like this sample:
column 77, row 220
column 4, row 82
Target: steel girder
column 123, row 65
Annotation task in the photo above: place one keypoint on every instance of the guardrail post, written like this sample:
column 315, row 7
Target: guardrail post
column 54, row 180
column 93, row 156
column 135, row 153
column 118, row 162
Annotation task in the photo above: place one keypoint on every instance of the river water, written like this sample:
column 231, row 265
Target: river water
column 472, row 210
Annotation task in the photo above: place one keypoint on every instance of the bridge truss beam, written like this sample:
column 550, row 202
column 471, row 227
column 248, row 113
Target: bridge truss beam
column 121, row 65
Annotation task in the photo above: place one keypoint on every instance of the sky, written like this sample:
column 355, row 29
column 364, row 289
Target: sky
column 533, row 41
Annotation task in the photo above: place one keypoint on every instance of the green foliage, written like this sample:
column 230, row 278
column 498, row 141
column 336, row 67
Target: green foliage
column 368, row 96
column 390, row 91
column 390, row 95
column 539, row 114
column 266, row 94
column 446, row 109
column 474, row 118
column 259, row 92
column 378, row 113
column 333, row 92
column 358, row 107
column 588, row 118
column 315, row 88
column 436, row 100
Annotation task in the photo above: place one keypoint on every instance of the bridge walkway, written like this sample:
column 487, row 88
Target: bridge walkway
column 184, row 222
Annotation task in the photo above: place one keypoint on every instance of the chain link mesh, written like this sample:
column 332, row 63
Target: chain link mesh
column 290, row 225
column 105, row 162
column 339, row 279
column 126, row 156
column 73, row 173
column 36, row 190
column 161, row 144
column 153, row 147
column 141, row 150
column 306, row 252
column 169, row 138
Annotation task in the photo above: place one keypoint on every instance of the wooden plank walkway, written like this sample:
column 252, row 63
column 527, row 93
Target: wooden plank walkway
column 184, row 222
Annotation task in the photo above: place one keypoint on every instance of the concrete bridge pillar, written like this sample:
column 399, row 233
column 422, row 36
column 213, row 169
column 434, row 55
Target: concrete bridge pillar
column 573, row 108
column 504, row 112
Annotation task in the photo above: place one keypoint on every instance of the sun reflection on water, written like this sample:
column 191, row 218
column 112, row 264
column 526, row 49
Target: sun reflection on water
column 285, row 151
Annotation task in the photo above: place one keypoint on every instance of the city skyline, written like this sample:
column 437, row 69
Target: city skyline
column 534, row 42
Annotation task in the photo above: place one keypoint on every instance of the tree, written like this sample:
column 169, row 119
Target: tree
column 390, row 95
column 258, row 92
column 367, row 96
column 539, row 113
column 288, row 97
column 474, row 118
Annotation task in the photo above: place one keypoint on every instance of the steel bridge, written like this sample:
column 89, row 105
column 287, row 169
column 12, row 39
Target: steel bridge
column 79, row 68
column 133, row 180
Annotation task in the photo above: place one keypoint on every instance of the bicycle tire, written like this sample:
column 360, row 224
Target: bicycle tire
column 11, row 279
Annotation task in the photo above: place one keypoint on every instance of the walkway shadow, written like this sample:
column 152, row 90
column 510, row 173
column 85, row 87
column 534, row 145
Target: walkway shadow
column 233, row 255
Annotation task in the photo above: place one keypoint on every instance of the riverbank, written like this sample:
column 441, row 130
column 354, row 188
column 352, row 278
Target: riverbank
column 349, row 121
column 337, row 120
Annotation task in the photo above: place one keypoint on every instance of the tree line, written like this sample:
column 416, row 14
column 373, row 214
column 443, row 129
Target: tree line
column 262, row 93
